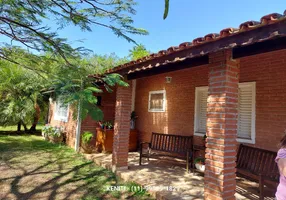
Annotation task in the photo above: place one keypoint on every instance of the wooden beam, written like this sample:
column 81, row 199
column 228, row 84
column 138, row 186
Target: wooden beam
column 188, row 63
column 260, row 47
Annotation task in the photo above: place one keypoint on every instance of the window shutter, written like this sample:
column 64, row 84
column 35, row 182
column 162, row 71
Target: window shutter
column 245, row 112
column 202, row 110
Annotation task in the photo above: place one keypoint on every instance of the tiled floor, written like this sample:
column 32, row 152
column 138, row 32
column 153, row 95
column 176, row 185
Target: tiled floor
column 168, row 179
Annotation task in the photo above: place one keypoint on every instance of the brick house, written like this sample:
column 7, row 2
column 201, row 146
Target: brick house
column 229, row 86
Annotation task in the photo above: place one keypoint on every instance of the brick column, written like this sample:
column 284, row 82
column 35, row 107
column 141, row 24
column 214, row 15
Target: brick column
column 222, row 115
column 121, row 128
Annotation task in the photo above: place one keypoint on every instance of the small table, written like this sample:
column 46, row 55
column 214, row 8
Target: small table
column 195, row 149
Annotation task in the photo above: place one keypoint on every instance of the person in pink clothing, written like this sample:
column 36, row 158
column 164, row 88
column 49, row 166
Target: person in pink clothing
column 281, row 162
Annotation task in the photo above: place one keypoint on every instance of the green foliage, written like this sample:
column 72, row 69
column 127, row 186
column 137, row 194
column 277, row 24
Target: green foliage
column 86, row 137
column 107, row 125
column 199, row 160
column 19, row 92
column 48, row 130
column 26, row 23
column 77, row 87
column 82, row 178
column 138, row 51
column 166, row 11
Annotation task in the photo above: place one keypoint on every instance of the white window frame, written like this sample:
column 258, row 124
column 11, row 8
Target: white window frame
column 253, row 108
column 196, row 120
column 164, row 101
column 56, row 116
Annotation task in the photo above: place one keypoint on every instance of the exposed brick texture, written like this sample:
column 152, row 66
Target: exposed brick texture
column 88, row 124
column 268, row 70
column 180, row 95
column 221, row 129
column 121, row 127
column 69, row 126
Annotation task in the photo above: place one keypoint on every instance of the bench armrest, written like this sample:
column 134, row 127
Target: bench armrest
column 142, row 143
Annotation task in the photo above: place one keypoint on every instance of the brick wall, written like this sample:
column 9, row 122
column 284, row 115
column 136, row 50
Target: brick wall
column 180, row 95
column 121, row 127
column 70, row 125
column 267, row 70
column 88, row 124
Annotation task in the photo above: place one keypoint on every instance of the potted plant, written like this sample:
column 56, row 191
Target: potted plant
column 109, row 125
column 86, row 139
column 46, row 131
column 55, row 135
column 133, row 118
column 200, row 164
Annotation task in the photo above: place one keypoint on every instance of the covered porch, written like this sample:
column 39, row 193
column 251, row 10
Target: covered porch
column 167, row 179
column 237, row 76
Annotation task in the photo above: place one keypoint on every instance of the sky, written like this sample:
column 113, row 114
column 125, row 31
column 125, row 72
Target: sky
column 187, row 20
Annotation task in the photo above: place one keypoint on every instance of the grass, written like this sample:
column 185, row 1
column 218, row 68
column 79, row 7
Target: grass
column 14, row 128
column 32, row 168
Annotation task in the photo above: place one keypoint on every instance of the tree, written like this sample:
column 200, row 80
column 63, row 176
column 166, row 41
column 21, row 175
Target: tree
column 138, row 51
column 24, row 22
column 20, row 96
column 21, row 90
column 77, row 86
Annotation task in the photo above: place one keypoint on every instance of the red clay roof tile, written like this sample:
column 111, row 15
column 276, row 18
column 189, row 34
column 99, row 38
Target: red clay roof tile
column 227, row 32
column 247, row 25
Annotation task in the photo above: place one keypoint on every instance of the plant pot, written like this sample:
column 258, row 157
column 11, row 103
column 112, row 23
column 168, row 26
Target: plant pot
column 56, row 139
column 104, row 140
column 200, row 167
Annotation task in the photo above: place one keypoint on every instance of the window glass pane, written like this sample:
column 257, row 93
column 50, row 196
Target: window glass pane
column 61, row 110
column 157, row 101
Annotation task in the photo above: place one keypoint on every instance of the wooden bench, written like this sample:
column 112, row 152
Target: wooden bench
column 258, row 165
column 176, row 146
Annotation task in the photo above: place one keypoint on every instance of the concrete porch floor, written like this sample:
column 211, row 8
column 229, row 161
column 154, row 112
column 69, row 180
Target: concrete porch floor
column 157, row 175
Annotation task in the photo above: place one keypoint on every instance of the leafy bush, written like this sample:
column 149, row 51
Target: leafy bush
column 107, row 125
column 48, row 130
column 86, row 137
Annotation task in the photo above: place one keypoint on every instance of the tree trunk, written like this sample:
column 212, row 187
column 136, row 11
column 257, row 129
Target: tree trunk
column 36, row 117
column 19, row 126
column 25, row 127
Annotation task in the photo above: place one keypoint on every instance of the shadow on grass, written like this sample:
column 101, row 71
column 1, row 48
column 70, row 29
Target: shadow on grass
column 36, row 169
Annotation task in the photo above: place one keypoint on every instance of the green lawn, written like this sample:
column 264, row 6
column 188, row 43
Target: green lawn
column 32, row 168
column 14, row 128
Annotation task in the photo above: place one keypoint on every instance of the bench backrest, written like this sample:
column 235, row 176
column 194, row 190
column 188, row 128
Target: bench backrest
column 257, row 161
column 171, row 143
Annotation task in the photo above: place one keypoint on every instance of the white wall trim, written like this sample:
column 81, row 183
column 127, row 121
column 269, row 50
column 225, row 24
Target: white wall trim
column 198, row 89
column 164, row 100
column 253, row 117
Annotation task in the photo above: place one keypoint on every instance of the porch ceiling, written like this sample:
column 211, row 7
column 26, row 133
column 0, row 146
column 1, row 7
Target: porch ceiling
column 249, row 33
